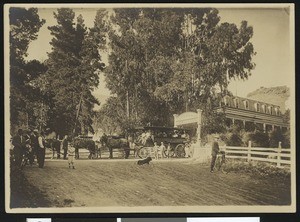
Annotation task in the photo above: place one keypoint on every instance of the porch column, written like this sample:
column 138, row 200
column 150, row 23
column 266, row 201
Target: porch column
column 265, row 127
column 175, row 119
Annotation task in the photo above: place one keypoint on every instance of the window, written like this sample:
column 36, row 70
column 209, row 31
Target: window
column 225, row 101
column 246, row 104
column 271, row 110
column 277, row 111
column 257, row 107
column 264, row 108
column 236, row 103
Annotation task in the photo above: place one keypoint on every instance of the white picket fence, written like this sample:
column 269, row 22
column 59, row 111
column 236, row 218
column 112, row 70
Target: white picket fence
column 279, row 156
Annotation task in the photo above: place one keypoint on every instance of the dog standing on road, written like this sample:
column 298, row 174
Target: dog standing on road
column 144, row 161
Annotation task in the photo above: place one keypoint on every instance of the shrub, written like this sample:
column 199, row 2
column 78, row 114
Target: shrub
column 232, row 139
column 277, row 136
column 258, row 139
column 257, row 169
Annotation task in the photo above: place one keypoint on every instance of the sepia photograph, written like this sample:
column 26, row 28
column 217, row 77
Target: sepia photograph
column 149, row 108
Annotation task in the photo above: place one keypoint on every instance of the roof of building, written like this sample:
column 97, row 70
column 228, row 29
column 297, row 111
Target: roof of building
column 251, row 105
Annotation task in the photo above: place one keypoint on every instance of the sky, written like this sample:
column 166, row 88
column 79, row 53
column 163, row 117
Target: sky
column 271, row 40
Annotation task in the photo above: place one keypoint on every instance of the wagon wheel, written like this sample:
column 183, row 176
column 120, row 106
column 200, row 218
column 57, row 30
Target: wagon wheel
column 179, row 150
column 171, row 152
column 143, row 152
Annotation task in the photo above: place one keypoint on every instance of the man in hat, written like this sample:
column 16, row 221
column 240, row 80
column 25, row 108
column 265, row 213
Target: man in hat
column 18, row 142
column 214, row 153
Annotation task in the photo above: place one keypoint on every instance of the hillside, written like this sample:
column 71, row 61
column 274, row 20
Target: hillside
column 275, row 95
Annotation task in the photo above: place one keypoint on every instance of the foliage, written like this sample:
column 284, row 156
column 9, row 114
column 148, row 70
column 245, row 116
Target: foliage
column 24, row 26
column 111, row 116
column 165, row 61
column 277, row 136
column 161, row 61
column 73, row 70
column 257, row 169
column 258, row 139
column 287, row 116
column 233, row 136
column 232, row 139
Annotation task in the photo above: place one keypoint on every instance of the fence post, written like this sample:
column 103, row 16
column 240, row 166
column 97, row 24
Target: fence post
column 249, row 151
column 279, row 154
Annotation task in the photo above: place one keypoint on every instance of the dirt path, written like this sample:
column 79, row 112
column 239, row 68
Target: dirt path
column 97, row 183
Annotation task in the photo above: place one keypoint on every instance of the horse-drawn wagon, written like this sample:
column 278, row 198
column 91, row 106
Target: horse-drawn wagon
column 175, row 140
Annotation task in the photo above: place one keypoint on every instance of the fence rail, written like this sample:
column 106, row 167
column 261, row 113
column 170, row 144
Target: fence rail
column 281, row 157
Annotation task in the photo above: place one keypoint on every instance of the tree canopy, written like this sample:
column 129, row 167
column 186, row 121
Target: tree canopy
column 24, row 25
column 161, row 61
column 167, row 60
column 73, row 70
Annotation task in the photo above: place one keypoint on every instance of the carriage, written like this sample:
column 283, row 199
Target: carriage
column 143, row 138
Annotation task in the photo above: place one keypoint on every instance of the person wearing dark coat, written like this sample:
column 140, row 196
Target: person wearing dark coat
column 103, row 141
column 214, row 153
column 18, row 142
column 41, row 150
column 65, row 146
column 34, row 143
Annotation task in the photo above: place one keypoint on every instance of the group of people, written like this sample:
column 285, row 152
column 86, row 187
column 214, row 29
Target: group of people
column 158, row 150
column 30, row 145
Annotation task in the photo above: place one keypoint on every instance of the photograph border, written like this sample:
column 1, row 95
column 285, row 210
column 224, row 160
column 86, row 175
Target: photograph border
column 172, row 209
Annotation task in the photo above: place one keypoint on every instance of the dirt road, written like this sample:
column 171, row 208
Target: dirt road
column 97, row 183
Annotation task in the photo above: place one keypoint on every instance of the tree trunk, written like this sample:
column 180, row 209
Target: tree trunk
column 127, row 104
column 77, row 113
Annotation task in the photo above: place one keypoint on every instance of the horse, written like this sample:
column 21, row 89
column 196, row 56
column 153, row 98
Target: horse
column 53, row 143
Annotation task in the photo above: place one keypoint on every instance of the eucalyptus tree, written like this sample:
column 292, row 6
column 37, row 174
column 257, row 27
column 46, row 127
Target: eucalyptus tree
column 170, row 60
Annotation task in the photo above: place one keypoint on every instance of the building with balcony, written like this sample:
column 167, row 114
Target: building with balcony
column 249, row 114
column 252, row 114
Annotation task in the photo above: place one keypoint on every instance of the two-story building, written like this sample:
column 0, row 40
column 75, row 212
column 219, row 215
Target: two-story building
column 252, row 113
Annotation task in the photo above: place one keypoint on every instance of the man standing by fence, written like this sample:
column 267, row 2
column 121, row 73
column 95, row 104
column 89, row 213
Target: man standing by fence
column 214, row 153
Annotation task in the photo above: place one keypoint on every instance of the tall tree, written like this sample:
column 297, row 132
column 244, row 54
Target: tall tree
column 24, row 27
column 166, row 61
column 73, row 70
